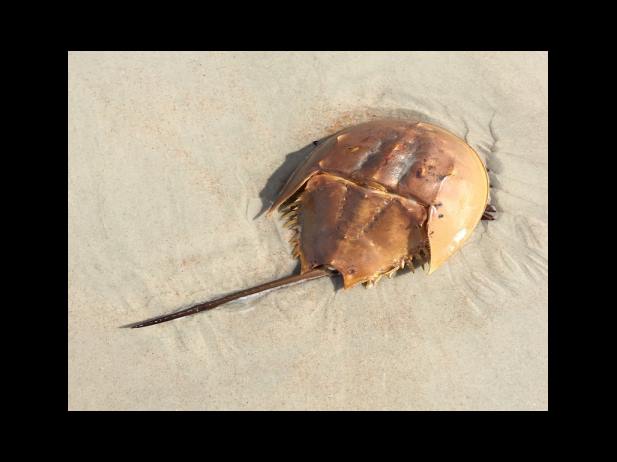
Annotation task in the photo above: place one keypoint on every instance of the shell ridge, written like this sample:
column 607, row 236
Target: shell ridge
column 375, row 151
column 408, row 162
column 374, row 219
column 378, row 154
column 339, row 212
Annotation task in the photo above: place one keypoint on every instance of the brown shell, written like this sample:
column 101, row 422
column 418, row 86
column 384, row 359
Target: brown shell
column 377, row 195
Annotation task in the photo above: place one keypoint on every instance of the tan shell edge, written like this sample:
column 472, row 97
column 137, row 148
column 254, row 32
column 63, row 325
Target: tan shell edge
column 462, row 197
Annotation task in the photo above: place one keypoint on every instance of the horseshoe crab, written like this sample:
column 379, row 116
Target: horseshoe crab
column 372, row 199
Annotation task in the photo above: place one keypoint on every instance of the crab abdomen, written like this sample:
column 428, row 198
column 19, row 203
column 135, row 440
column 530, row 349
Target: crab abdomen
column 361, row 232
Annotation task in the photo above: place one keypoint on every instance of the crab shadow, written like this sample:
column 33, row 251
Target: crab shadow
column 277, row 180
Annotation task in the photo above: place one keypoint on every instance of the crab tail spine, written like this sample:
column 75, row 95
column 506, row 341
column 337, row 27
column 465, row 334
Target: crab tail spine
column 276, row 284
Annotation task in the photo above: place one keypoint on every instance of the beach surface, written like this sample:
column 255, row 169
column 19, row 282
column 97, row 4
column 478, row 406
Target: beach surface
column 173, row 158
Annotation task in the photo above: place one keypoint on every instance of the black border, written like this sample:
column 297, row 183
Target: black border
column 53, row 170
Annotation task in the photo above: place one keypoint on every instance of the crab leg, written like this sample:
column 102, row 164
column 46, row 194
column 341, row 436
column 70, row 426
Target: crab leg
column 278, row 283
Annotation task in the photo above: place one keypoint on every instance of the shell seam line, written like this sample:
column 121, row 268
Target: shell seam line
column 339, row 212
column 364, row 186
column 378, row 214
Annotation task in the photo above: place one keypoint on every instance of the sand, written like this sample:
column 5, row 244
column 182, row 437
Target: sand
column 172, row 156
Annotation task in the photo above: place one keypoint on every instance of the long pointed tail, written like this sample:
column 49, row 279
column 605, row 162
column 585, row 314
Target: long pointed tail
column 278, row 283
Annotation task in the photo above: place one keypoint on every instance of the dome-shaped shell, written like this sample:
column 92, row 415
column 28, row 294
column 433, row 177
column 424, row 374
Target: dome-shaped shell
column 410, row 160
